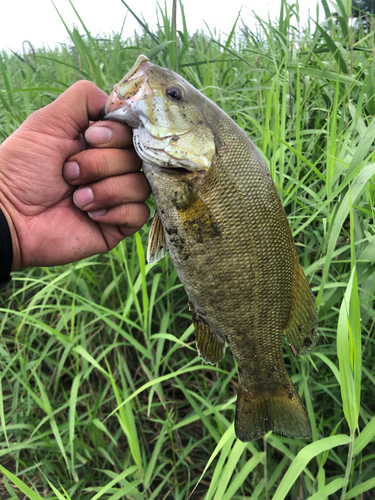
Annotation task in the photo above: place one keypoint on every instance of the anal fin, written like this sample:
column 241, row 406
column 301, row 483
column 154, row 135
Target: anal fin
column 157, row 246
column 210, row 348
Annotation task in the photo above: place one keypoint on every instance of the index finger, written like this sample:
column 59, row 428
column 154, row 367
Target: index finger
column 71, row 113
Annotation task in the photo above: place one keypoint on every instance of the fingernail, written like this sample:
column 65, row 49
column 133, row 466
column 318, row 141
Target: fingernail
column 71, row 170
column 83, row 197
column 98, row 135
column 97, row 213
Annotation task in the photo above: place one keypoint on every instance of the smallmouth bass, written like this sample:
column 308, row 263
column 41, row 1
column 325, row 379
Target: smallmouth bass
column 219, row 215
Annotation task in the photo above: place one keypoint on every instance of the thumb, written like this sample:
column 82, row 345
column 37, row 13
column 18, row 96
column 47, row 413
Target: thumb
column 70, row 113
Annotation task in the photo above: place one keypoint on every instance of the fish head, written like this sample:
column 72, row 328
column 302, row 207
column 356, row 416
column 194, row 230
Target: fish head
column 163, row 109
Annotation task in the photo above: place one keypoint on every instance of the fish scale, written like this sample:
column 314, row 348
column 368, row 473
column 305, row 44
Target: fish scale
column 254, row 318
column 219, row 216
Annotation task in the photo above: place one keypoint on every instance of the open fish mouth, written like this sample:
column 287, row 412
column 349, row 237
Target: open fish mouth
column 131, row 89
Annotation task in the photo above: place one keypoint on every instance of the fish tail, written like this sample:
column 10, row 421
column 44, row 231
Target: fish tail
column 258, row 412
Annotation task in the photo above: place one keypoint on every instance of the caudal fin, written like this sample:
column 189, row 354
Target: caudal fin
column 260, row 412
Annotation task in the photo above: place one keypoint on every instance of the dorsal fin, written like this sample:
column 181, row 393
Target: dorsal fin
column 210, row 348
column 302, row 327
column 157, row 247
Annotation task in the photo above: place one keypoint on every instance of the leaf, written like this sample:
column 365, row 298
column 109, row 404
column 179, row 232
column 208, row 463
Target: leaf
column 364, row 437
column 325, row 74
column 224, row 444
column 226, row 473
column 360, row 488
column 239, row 478
column 157, row 380
column 358, row 185
column 303, row 458
column 329, row 363
column 329, row 489
column 344, row 354
column 21, row 485
column 116, row 479
column 158, row 48
column 363, row 147
column 333, row 49
column 72, row 416
column 82, row 351
column 142, row 24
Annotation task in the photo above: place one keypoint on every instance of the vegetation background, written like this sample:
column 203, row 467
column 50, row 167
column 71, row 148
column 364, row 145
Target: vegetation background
column 102, row 394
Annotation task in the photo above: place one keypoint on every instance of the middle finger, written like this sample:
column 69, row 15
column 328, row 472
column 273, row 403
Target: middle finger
column 94, row 164
column 112, row 191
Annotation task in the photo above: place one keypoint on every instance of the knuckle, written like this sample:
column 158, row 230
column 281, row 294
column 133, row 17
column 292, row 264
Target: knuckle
column 100, row 164
column 140, row 185
column 93, row 164
column 112, row 243
column 82, row 85
column 138, row 213
column 109, row 191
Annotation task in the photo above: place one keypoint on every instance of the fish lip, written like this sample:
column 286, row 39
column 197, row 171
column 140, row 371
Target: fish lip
column 138, row 69
column 117, row 115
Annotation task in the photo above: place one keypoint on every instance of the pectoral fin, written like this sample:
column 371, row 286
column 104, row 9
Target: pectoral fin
column 210, row 348
column 195, row 216
column 301, row 329
column 157, row 247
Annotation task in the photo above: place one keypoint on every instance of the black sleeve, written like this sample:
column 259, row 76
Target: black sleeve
column 6, row 251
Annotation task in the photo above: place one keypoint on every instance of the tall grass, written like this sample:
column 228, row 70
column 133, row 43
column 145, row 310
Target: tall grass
column 102, row 394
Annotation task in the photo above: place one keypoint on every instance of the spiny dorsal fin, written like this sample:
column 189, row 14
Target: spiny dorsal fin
column 210, row 348
column 157, row 247
column 302, row 327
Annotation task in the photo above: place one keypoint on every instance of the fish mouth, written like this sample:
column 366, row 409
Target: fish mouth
column 130, row 90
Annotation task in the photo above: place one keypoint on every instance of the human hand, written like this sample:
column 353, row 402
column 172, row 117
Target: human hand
column 44, row 161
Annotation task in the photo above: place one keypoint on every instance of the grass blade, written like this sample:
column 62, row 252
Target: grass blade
column 303, row 458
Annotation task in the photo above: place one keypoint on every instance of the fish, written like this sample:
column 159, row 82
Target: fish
column 220, row 218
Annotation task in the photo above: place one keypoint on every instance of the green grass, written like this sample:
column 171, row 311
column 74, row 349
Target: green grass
column 102, row 394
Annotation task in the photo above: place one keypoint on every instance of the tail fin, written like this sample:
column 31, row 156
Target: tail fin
column 259, row 412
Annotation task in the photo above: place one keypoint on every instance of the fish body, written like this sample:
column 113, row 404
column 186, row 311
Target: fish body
column 219, row 215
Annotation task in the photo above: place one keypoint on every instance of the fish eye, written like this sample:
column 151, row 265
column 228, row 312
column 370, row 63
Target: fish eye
column 174, row 93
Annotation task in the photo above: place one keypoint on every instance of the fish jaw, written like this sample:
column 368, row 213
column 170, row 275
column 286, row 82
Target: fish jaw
column 129, row 91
